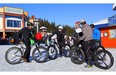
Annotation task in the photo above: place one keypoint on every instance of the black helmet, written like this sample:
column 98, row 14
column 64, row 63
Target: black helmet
column 29, row 24
column 92, row 25
column 82, row 22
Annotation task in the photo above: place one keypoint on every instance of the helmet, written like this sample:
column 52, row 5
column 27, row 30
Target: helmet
column 82, row 22
column 92, row 25
column 29, row 24
column 43, row 27
column 60, row 27
column 77, row 22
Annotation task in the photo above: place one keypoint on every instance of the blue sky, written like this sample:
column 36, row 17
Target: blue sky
column 67, row 14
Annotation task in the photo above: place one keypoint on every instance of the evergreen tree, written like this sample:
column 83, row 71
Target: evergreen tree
column 52, row 27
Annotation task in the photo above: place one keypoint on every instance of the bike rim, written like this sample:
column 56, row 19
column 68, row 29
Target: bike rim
column 14, row 56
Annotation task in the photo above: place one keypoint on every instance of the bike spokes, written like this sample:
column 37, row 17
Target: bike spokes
column 13, row 55
column 104, row 59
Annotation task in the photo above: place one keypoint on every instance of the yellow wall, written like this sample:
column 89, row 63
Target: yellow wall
column 1, row 22
column 1, row 9
column 26, row 13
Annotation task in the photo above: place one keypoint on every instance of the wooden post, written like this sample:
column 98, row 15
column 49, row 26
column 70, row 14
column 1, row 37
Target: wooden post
column 3, row 16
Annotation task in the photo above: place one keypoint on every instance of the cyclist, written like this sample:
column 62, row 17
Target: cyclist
column 42, row 36
column 96, row 34
column 33, row 31
column 78, row 33
column 25, row 32
column 60, row 38
column 87, row 37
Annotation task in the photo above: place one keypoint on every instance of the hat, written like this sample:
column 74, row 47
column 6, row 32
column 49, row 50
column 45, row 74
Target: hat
column 77, row 22
column 43, row 27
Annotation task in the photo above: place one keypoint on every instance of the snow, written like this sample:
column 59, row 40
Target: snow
column 60, row 64
column 104, row 21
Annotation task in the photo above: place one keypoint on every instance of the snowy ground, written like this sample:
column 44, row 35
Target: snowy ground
column 60, row 64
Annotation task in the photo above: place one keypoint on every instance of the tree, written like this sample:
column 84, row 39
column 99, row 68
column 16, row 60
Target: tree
column 52, row 27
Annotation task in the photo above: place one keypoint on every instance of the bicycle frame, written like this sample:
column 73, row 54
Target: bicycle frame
column 55, row 44
column 22, row 48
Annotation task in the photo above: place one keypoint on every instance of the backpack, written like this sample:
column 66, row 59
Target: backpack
column 38, row 36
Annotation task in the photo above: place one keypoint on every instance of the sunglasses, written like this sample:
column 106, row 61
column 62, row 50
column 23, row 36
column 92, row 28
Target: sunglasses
column 44, row 30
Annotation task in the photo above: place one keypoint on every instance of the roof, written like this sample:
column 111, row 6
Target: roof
column 114, row 6
column 110, row 21
column 102, row 25
column 104, row 21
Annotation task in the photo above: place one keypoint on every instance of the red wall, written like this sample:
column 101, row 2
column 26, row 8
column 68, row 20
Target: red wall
column 108, row 42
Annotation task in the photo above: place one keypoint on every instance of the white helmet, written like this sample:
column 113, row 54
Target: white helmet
column 82, row 21
column 60, row 27
column 43, row 27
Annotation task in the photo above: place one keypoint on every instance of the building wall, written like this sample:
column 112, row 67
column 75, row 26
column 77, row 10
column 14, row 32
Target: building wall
column 1, row 9
column 1, row 22
column 13, row 18
column 106, row 37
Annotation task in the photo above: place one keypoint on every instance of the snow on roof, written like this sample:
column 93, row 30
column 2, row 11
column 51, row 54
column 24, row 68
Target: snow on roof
column 114, row 6
column 104, row 21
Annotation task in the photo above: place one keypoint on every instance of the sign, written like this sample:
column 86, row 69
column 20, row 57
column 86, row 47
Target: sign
column 13, row 10
column 112, row 20
column 113, row 33
column 105, row 34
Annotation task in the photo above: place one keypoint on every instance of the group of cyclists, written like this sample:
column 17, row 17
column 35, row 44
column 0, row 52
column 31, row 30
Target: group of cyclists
column 83, row 32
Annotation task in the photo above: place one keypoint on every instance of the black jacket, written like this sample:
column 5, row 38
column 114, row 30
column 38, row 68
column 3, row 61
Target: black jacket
column 76, row 37
column 60, row 36
column 25, row 32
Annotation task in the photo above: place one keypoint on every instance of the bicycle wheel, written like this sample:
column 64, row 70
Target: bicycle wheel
column 67, row 50
column 52, row 52
column 77, row 55
column 40, row 54
column 100, row 48
column 104, row 62
column 13, row 55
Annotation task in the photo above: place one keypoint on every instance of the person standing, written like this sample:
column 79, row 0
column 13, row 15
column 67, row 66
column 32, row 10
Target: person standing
column 26, row 35
column 77, row 33
column 60, row 38
column 87, row 37
column 96, row 32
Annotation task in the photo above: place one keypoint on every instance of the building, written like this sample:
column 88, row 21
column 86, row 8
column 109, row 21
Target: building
column 114, row 7
column 108, row 31
column 35, row 21
column 11, row 20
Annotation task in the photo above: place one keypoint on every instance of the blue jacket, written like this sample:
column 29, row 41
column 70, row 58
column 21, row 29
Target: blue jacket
column 96, row 34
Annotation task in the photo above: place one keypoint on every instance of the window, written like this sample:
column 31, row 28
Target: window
column 9, row 23
column 13, row 23
column 17, row 24
column 113, row 33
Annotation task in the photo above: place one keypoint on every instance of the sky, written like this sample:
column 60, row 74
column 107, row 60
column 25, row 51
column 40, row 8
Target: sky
column 67, row 14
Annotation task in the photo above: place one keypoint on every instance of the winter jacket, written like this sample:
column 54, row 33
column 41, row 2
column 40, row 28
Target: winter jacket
column 87, row 33
column 25, row 32
column 60, row 36
column 96, row 34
